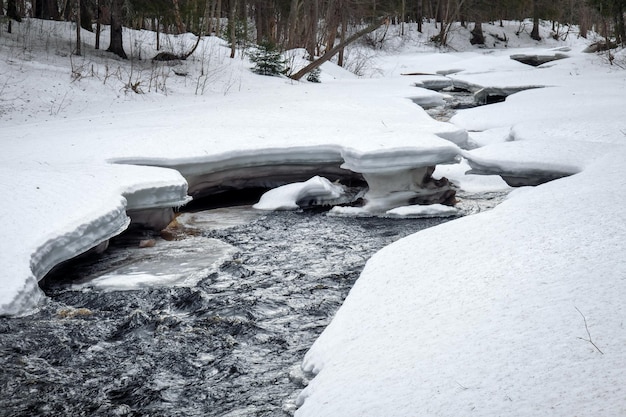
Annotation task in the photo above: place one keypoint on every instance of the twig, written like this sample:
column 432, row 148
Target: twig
column 588, row 333
column 464, row 388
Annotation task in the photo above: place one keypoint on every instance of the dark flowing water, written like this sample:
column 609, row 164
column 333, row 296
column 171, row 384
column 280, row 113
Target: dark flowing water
column 225, row 337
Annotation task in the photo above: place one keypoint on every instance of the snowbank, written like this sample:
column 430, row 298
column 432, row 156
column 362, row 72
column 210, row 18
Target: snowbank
column 515, row 311
column 480, row 315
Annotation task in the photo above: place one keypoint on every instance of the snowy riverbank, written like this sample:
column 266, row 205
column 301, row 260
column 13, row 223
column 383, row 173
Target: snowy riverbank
column 517, row 311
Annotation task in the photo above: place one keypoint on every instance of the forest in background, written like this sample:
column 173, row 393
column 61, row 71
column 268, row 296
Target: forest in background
column 316, row 25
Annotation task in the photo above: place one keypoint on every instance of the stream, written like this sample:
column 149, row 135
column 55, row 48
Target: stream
column 213, row 319
column 213, row 323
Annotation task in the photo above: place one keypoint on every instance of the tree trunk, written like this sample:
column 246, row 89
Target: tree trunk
column 620, row 25
column 219, row 17
column 116, row 46
column 46, row 9
column 260, row 21
column 211, row 14
column 98, row 25
column 420, row 14
column 178, row 19
column 332, row 24
column 311, row 32
column 535, row 32
column 233, row 27
column 478, row 38
column 329, row 54
column 86, row 16
column 344, row 30
column 293, row 22
column 245, row 23
column 403, row 15
column 78, row 27
column 12, row 12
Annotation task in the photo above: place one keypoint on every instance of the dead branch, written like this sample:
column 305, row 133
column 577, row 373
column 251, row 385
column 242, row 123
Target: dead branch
column 588, row 333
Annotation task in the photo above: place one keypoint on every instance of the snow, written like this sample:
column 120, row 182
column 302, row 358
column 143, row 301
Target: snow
column 513, row 311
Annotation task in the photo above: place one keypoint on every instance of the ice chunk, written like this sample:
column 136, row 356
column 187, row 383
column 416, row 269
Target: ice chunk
column 165, row 264
column 431, row 210
column 316, row 191
column 414, row 211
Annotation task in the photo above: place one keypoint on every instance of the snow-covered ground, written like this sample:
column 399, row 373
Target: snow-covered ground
column 515, row 311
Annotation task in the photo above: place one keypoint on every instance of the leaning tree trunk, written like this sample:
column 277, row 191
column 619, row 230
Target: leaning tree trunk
column 116, row 46
column 333, row 51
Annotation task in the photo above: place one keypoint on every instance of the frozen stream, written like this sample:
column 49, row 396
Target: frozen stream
column 215, row 324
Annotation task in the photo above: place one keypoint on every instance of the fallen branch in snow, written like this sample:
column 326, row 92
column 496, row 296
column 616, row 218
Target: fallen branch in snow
column 588, row 333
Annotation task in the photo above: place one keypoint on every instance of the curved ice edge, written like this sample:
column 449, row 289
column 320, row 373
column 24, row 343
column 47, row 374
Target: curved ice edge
column 62, row 248
column 436, row 148
column 91, row 234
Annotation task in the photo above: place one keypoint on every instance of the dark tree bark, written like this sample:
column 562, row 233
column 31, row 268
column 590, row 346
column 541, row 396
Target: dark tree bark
column 312, row 29
column 233, row 27
column 535, row 32
column 47, row 9
column 78, row 27
column 177, row 17
column 620, row 24
column 12, row 12
column 98, row 24
column 420, row 15
column 116, row 46
column 478, row 37
column 344, row 29
column 86, row 16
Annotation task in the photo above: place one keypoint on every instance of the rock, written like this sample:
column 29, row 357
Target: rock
column 147, row 243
